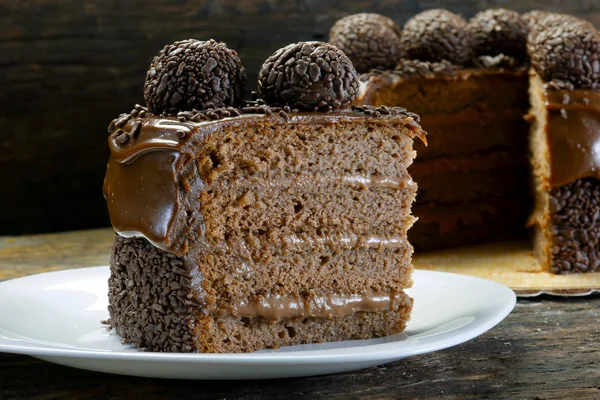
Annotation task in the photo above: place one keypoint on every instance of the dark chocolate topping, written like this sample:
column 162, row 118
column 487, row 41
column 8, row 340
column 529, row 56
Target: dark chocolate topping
column 369, row 40
column 499, row 31
column 573, row 130
column 163, row 152
column 437, row 35
column 194, row 74
column 310, row 76
column 566, row 49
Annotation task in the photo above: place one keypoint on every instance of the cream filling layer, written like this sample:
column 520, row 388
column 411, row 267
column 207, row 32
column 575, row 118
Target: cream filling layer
column 276, row 307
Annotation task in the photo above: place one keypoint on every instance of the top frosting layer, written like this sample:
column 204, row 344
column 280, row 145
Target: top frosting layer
column 152, row 178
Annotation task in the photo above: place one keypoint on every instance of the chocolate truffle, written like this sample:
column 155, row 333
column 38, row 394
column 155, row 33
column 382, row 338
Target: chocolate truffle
column 566, row 50
column 499, row 31
column 437, row 35
column 369, row 40
column 194, row 74
column 309, row 76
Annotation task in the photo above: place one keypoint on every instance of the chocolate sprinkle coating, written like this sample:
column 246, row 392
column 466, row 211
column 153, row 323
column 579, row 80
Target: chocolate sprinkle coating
column 369, row 40
column 437, row 35
column 499, row 31
column 151, row 316
column 194, row 74
column 566, row 49
column 308, row 75
column 408, row 68
column 208, row 115
column 499, row 61
column 372, row 111
column 115, row 127
column 575, row 212
column 532, row 18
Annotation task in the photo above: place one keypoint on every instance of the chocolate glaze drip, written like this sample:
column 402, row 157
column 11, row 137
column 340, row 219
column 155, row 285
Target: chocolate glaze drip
column 573, row 132
column 151, row 180
column 155, row 193
column 329, row 306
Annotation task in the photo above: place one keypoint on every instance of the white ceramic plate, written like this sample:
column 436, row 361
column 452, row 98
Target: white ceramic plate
column 56, row 317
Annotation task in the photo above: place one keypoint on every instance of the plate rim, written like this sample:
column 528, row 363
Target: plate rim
column 376, row 352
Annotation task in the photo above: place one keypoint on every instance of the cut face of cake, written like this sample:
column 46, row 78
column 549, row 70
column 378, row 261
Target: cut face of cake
column 472, row 176
column 469, row 83
column 471, row 95
column 259, row 226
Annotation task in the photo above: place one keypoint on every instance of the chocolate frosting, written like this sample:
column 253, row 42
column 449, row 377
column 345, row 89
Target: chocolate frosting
column 573, row 132
column 151, row 180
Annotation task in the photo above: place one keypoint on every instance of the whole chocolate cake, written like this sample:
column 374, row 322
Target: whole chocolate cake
column 469, row 80
column 250, row 225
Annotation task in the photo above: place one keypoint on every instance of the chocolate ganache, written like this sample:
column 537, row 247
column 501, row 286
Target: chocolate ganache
column 573, row 132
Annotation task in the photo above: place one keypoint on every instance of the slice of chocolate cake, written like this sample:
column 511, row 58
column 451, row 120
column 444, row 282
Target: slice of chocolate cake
column 565, row 143
column 264, row 224
column 468, row 83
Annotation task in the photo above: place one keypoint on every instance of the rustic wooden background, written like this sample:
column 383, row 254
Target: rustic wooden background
column 68, row 67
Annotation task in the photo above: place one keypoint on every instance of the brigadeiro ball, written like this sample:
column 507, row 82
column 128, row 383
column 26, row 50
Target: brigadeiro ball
column 499, row 31
column 567, row 50
column 309, row 76
column 369, row 40
column 194, row 74
column 437, row 35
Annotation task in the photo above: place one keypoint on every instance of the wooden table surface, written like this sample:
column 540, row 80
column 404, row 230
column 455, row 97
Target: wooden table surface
column 548, row 348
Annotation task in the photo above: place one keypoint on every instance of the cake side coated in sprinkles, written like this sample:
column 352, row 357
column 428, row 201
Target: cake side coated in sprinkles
column 564, row 137
column 233, row 223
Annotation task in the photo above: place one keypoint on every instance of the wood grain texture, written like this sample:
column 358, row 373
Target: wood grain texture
column 68, row 68
column 26, row 255
column 548, row 348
